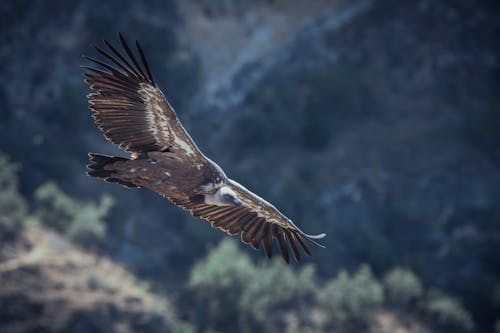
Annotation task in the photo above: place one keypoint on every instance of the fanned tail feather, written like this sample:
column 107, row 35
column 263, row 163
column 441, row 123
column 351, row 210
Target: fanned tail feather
column 97, row 168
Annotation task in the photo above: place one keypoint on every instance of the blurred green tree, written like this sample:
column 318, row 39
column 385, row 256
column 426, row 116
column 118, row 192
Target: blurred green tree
column 402, row 286
column 274, row 286
column 218, row 281
column 351, row 299
column 83, row 222
column 231, row 293
column 231, row 289
column 447, row 311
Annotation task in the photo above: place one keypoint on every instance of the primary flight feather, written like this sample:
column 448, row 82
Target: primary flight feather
column 133, row 113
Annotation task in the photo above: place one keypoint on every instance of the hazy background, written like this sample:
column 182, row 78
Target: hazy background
column 377, row 122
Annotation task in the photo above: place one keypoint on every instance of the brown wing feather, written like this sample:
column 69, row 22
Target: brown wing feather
column 129, row 108
column 257, row 221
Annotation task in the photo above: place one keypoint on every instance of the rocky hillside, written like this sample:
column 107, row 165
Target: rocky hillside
column 49, row 285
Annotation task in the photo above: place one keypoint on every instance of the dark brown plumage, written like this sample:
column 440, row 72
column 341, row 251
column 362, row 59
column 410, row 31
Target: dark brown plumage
column 133, row 113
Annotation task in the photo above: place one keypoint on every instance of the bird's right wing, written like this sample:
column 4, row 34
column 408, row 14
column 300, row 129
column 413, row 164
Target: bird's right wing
column 258, row 221
column 129, row 108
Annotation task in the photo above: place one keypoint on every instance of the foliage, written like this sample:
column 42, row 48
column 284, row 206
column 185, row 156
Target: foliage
column 233, row 293
column 337, row 95
column 402, row 286
column 217, row 282
column 12, row 204
column 224, row 267
column 274, row 285
column 447, row 311
column 185, row 327
column 351, row 298
column 231, row 287
column 81, row 221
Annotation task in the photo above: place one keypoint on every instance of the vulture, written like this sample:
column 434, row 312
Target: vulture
column 132, row 112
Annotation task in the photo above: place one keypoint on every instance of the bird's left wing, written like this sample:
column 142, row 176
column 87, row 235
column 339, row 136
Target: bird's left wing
column 129, row 108
column 258, row 221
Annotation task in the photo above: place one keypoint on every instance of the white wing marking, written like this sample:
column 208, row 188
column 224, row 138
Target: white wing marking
column 159, row 122
column 182, row 144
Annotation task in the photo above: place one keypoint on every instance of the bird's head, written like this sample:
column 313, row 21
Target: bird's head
column 228, row 196
column 223, row 196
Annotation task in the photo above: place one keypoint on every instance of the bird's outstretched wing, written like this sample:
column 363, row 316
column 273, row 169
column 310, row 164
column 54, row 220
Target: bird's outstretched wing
column 258, row 221
column 129, row 108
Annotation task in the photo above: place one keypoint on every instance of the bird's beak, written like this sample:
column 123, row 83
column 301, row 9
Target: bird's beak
column 231, row 200
column 236, row 202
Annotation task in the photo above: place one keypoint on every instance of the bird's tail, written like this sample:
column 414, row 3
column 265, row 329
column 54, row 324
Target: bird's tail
column 101, row 166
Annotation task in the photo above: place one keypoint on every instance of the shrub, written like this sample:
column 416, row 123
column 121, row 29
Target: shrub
column 12, row 204
column 402, row 286
column 224, row 267
column 185, row 327
column 448, row 311
column 82, row 222
column 275, row 285
column 232, row 292
column 351, row 298
column 217, row 281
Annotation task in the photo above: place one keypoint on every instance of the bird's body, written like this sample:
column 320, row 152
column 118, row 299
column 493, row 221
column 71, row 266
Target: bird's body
column 133, row 113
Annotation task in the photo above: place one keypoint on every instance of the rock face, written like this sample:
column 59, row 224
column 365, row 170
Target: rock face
column 374, row 121
column 47, row 285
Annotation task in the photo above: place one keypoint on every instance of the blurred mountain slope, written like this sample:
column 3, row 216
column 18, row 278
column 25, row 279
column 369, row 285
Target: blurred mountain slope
column 48, row 285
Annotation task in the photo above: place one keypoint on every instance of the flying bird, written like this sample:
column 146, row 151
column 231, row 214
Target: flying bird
column 133, row 113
